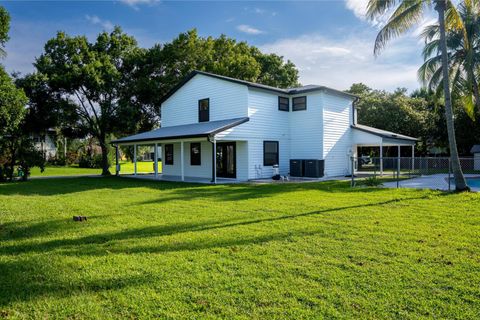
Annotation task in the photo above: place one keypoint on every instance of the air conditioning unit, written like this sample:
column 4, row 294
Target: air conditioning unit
column 314, row 168
column 296, row 168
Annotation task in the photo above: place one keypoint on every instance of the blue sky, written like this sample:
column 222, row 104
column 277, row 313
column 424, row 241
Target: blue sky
column 331, row 42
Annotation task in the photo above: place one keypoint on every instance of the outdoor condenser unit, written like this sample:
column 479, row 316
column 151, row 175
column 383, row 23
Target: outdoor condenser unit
column 314, row 168
column 296, row 168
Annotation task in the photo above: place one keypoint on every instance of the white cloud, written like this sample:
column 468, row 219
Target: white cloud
column 340, row 62
column 359, row 7
column 249, row 30
column 105, row 24
column 136, row 3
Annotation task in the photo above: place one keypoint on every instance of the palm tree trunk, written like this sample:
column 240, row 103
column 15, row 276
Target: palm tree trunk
column 460, row 183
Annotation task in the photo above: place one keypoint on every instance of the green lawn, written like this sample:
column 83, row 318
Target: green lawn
column 126, row 167
column 167, row 250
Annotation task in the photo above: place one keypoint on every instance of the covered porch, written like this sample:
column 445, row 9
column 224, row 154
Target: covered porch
column 189, row 153
column 364, row 136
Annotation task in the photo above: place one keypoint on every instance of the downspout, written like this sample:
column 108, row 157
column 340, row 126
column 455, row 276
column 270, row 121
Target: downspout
column 211, row 139
column 354, row 110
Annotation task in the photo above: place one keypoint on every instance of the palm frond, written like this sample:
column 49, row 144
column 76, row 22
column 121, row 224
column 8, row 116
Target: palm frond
column 408, row 13
column 430, row 32
column 431, row 48
column 378, row 7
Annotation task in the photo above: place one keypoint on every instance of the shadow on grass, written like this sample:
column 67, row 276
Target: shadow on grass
column 27, row 278
column 176, row 190
column 88, row 245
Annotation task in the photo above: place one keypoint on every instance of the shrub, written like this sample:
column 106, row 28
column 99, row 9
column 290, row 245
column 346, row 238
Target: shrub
column 90, row 161
column 372, row 181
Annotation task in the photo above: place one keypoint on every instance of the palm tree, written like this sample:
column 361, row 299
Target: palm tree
column 407, row 13
column 463, row 47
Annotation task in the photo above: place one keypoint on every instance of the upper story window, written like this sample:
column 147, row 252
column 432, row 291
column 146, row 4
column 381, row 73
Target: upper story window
column 169, row 154
column 283, row 104
column 299, row 103
column 195, row 154
column 270, row 153
column 204, row 110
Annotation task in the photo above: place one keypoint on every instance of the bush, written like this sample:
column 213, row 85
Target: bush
column 90, row 161
column 372, row 182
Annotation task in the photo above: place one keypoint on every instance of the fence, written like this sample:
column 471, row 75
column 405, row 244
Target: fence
column 424, row 172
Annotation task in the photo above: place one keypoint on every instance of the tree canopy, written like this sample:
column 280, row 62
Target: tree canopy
column 4, row 28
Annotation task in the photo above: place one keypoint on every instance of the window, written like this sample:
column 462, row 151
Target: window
column 270, row 153
column 299, row 103
column 169, row 154
column 195, row 154
column 283, row 104
column 204, row 110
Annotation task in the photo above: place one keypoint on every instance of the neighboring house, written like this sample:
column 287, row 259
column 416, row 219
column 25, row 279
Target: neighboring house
column 476, row 156
column 46, row 143
column 253, row 127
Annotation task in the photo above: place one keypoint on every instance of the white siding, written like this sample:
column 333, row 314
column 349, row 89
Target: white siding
column 267, row 123
column 337, row 140
column 227, row 100
column 306, row 129
column 204, row 170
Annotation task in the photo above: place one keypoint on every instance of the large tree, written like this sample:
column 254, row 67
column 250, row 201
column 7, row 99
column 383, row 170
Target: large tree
column 91, row 78
column 16, row 148
column 407, row 13
column 161, row 67
column 4, row 28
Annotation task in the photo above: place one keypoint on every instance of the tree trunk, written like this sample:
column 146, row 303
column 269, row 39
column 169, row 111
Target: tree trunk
column 460, row 183
column 105, row 164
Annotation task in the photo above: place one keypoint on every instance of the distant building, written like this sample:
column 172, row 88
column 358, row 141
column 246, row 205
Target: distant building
column 46, row 143
column 476, row 156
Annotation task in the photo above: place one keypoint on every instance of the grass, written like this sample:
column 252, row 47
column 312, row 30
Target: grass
column 127, row 167
column 168, row 250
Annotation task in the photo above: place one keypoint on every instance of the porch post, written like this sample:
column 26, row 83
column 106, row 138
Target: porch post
column 413, row 157
column 135, row 159
column 214, row 160
column 117, row 169
column 155, row 161
column 161, row 157
column 398, row 161
column 381, row 158
column 181, row 161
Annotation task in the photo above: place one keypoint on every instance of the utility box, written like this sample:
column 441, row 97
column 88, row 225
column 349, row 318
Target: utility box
column 314, row 168
column 296, row 168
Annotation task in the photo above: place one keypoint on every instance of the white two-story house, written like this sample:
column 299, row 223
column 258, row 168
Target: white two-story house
column 215, row 128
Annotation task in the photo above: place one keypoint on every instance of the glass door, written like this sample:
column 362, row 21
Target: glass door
column 226, row 160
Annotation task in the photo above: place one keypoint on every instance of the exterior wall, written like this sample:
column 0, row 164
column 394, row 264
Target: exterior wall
column 267, row 123
column 306, row 128
column 338, row 136
column 204, row 170
column 227, row 101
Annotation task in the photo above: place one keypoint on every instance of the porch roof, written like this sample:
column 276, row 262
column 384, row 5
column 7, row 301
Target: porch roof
column 386, row 137
column 194, row 130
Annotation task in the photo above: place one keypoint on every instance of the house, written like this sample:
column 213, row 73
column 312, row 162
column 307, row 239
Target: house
column 476, row 156
column 216, row 127
column 45, row 143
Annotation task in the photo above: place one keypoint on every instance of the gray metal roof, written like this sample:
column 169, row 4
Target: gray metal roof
column 201, row 129
column 383, row 133
column 287, row 91
column 475, row 148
